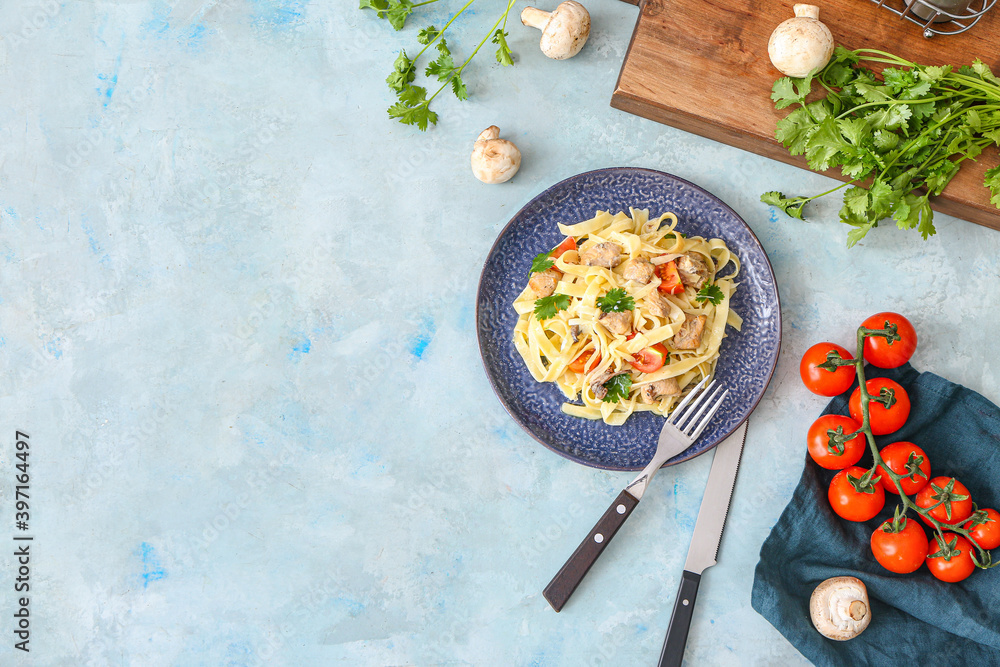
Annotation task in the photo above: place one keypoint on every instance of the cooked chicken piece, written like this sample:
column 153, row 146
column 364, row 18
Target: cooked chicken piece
column 689, row 335
column 654, row 391
column 617, row 323
column 543, row 283
column 693, row 270
column 597, row 384
column 608, row 255
column 657, row 305
column 575, row 332
column 640, row 270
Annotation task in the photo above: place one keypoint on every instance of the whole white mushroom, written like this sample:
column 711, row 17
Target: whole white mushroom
column 840, row 609
column 801, row 44
column 564, row 30
column 494, row 160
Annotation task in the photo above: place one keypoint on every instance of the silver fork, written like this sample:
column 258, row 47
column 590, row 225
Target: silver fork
column 683, row 426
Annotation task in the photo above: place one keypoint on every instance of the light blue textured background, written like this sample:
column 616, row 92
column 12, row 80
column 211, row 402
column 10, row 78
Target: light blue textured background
column 236, row 318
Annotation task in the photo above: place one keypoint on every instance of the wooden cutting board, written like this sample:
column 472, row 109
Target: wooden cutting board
column 702, row 66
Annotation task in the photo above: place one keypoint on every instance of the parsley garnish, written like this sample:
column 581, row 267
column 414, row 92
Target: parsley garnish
column 710, row 292
column 618, row 388
column 616, row 301
column 542, row 262
column 547, row 306
column 905, row 133
column 413, row 104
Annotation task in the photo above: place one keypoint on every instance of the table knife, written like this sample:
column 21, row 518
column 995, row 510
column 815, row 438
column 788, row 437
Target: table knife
column 704, row 549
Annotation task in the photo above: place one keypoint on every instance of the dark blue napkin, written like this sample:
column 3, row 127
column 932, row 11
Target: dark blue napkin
column 916, row 619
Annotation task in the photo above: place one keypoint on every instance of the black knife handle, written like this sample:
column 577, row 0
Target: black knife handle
column 680, row 621
column 576, row 568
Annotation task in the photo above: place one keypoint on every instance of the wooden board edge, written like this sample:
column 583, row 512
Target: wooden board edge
column 623, row 101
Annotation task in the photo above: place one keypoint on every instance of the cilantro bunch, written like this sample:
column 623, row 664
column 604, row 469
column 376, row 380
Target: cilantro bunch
column 413, row 107
column 900, row 138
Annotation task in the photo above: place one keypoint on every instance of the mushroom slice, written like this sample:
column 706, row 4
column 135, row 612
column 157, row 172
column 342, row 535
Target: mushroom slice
column 693, row 270
column 653, row 391
column 543, row 283
column 840, row 609
column 597, row 384
column 688, row 337
column 640, row 270
column 608, row 255
column 617, row 323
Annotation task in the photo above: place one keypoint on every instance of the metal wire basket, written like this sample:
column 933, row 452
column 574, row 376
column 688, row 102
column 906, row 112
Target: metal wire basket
column 935, row 19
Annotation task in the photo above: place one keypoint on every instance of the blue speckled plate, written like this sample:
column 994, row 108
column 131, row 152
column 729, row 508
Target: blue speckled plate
column 747, row 357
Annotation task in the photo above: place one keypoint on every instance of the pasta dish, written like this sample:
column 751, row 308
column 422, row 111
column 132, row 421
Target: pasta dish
column 626, row 314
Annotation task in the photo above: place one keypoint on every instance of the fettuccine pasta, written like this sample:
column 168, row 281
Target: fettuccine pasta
column 627, row 314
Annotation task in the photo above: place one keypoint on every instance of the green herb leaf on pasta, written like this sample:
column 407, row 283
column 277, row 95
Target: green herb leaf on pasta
column 710, row 292
column 547, row 306
column 542, row 262
column 616, row 301
column 618, row 388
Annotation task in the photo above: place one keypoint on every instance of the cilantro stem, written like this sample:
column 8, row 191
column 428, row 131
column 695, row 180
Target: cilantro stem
column 489, row 34
column 441, row 32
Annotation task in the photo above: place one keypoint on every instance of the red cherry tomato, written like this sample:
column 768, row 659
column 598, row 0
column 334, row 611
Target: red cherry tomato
column 954, row 561
column 987, row 533
column 568, row 244
column 670, row 278
column 580, row 365
column 650, row 359
column 882, row 420
column 821, row 381
column 903, row 551
column 953, row 500
column 884, row 354
column 902, row 458
column 851, row 504
column 818, row 442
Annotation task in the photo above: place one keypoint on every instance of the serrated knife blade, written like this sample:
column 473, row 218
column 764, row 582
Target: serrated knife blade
column 704, row 549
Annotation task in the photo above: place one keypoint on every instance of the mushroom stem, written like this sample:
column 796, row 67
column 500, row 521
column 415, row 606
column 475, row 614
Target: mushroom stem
column 535, row 18
column 806, row 11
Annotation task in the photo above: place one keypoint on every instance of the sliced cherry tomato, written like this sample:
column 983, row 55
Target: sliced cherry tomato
column 581, row 365
column 885, row 354
column 952, row 500
column 883, row 420
column 851, row 503
column 985, row 528
column 951, row 561
column 824, row 451
column 821, row 381
column 670, row 278
column 651, row 359
column 901, row 551
column 905, row 458
column 568, row 244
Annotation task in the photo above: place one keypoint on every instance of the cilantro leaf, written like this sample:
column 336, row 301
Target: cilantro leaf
column 618, row 388
column 992, row 181
column 616, row 301
column 377, row 5
column 444, row 65
column 428, row 35
column 458, row 87
column 403, row 72
column 397, row 12
column 792, row 206
column 710, row 292
column 547, row 306
column 504, row 55
column 541, row 262
column 787, row 91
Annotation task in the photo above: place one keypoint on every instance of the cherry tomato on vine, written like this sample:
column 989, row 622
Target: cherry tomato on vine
column 953, row 561
column 880, row 352
column 821, row 381
column 851, row 503
column 987, row 533
column 650, row 359
column 818, row 441
column 901, row 551
column 882, row 420
column 905, row 458
column 584, row 362
column 953, row 496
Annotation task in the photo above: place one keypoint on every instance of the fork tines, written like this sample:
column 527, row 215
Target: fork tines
column 692, row 414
